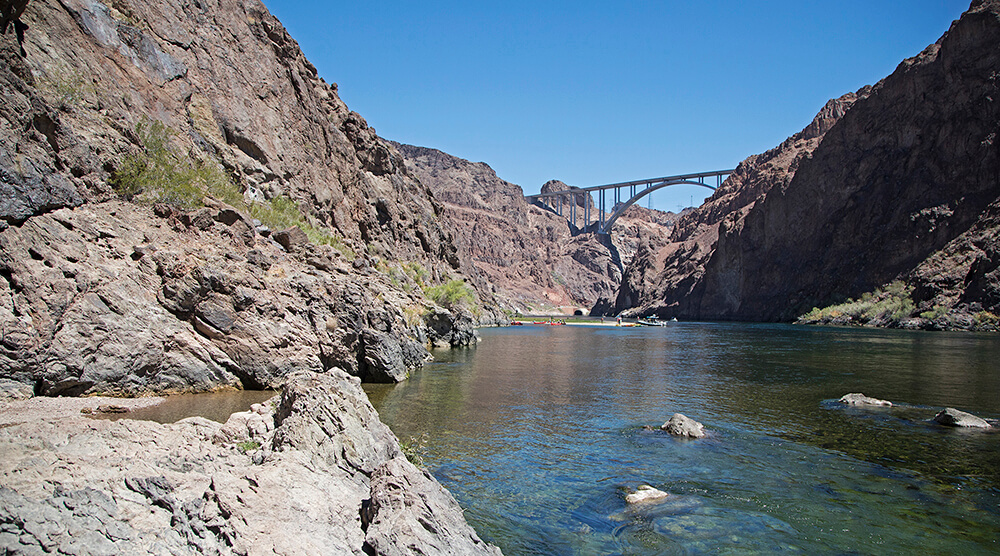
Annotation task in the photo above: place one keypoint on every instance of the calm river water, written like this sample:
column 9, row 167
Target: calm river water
column 538, row 432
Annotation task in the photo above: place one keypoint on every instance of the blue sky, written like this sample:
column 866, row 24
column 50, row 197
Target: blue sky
column 599, row 92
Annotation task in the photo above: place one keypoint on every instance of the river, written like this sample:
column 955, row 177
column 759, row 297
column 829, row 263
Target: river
column 539, row 433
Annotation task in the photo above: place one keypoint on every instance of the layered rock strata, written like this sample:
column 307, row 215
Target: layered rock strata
column 313, row 472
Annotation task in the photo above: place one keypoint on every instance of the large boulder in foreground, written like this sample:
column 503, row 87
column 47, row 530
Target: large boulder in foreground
column 954, row 418
column 138, row 487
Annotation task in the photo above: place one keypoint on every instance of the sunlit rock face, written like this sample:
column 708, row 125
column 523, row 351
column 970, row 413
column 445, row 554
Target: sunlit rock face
column 898, row 181
column 528, row 257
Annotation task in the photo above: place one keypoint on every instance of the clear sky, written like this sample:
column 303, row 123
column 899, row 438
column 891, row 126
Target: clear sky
column 600, row 92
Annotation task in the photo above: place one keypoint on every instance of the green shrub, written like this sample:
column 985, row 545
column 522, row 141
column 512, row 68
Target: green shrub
column 248, row 446
column 281, row 212
column 414, row 449
column 452, row 294
column 935, row 312
column 157, row 174
column 986, row 318
column 891, row 303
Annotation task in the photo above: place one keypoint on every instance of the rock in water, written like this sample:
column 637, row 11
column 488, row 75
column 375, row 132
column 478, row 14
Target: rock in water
column 645, row 493
column 681, row 425
column 861, row 399
column 954, row 418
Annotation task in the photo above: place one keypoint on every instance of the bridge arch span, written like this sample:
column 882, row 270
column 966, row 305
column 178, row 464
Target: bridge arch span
column 554, row 200
column 605, row 228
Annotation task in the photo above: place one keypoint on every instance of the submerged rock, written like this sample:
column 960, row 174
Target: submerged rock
column 954, row 418
column 682, row 425
column 645, row 493
column 861, row 399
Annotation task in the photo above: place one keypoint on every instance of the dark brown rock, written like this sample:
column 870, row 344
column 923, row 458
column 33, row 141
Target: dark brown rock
column 292, row 239
column 902, row 186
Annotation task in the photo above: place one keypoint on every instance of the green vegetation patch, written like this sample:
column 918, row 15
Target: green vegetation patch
column 886, row 306
column 452, row 294
column 158, row 174
column 248, row 446
column 280, row 213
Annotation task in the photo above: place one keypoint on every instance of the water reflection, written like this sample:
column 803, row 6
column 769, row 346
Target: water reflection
column 538, row 432
column 217, row 406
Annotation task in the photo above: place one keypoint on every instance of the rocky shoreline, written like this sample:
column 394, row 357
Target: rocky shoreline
column 325, row 477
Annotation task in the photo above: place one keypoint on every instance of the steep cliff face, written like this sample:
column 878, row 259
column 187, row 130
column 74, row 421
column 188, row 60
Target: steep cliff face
column 233, row 86
column 100, row 295
column 666, row 276
column 903, row 184
column 530, row 258
column 906, row 172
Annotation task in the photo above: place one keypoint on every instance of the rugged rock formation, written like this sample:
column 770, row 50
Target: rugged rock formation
column 103, row 296
column 109, row 297
column 902, row 186
column 665, row 277
column 318, row 481
column 530, row 258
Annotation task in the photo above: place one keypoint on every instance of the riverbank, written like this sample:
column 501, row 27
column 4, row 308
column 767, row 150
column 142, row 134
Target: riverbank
column 312, row 472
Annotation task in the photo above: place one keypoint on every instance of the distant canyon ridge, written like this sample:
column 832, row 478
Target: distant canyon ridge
column 892, row 187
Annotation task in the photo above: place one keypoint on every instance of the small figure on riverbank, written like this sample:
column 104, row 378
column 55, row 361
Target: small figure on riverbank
column 682, row 425
column 861, row 399
column 954, row 418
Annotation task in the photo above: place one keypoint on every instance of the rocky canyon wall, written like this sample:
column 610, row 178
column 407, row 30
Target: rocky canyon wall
column 531, row 259
column 902, row 184
column 101, row 295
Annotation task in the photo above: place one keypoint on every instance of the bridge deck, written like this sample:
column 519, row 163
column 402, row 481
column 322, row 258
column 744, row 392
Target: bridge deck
column 604, row 219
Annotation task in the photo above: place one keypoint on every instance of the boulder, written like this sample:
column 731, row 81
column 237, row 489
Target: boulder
column 681, row 425
column 292, row 239
column 954, row 418
column 409, row 508
column 861, row 399
column 313, row 406
column 445, row 328
column 382, row 358
column 645, row 493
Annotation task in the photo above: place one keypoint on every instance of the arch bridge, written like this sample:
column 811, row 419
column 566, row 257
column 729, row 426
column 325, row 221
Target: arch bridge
column 570, row 199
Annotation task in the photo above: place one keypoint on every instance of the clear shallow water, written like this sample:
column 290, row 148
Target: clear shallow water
column 538, row 431
column 217, row 406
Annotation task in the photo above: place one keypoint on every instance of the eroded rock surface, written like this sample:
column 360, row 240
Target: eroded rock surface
column 684, row 426
column 109, row 297
column 71, row 484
